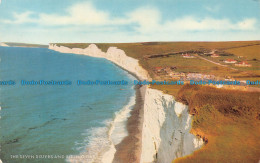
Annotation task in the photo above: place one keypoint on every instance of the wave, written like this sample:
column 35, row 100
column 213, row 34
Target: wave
column 101, row 147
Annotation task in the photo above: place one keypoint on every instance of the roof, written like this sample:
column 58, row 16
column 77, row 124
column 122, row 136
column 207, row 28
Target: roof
column 243, row 62
column 230, row 60
column 158, row 68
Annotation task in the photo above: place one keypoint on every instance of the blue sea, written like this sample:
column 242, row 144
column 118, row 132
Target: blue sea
column 61, row 123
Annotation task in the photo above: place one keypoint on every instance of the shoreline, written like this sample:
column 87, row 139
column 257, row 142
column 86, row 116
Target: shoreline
column 157, row 123
column 130, row 148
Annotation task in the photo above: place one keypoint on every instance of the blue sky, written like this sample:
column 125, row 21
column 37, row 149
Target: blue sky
column 45, row 21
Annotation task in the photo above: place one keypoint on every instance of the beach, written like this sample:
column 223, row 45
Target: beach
column 158, row 127
column 129, row 150
column 93, row 114
column 132, row 82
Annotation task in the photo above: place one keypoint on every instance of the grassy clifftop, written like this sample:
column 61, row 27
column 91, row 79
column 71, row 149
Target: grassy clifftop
column 227, row 120
column 241, row 50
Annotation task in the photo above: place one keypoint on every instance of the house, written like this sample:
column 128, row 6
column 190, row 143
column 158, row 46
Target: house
column 187, row 56
column 158, row 69
column 230, row 61
column 214, row 55
column 243, row 64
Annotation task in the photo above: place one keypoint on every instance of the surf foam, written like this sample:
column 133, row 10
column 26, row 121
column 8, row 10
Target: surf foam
column 101, row 147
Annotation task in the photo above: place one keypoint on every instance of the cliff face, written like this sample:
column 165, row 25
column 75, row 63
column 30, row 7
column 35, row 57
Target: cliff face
column 3, row 44
column 166, row 123
column 166, row 127
column 113, row 54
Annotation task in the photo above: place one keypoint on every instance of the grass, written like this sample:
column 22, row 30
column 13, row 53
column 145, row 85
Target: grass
column 249, row 52
column 250, row 49
column 138, row 50
column 190, row 65
column 228, row 120
column 234, row 142
column 168, row 89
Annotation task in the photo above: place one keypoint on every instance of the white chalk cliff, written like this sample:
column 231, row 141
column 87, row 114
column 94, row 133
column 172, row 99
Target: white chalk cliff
column 166, row 129
column 3, row 44
column 113, row 54
column 167, row 123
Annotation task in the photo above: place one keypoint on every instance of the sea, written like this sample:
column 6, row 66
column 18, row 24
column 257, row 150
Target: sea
column 61, row 123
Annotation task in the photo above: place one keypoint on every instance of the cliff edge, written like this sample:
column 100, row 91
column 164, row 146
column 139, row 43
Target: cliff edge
column 165, row 123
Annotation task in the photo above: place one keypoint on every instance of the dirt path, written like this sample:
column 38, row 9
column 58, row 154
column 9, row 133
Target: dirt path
column 216, row 63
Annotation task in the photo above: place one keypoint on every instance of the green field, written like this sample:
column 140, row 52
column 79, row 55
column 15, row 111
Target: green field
column 248, row 49
column 249, row 52
column 228, row 120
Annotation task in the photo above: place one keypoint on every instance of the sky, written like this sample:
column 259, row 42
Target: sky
column 94, row 21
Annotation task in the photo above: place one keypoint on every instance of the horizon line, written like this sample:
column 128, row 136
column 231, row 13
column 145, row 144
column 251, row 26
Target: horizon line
column 125, row 42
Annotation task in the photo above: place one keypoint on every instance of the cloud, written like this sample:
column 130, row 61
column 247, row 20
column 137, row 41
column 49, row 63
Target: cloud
column 247, row 24
column 21, row 18
column 79, row 14
column 144, row 20
column 212, row 8
column 147, row 19
column 209, row 24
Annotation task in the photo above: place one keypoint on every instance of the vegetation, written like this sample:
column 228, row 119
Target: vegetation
column 168, row 89
column 249, row 52
column 140, row 51
column 229, row 121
